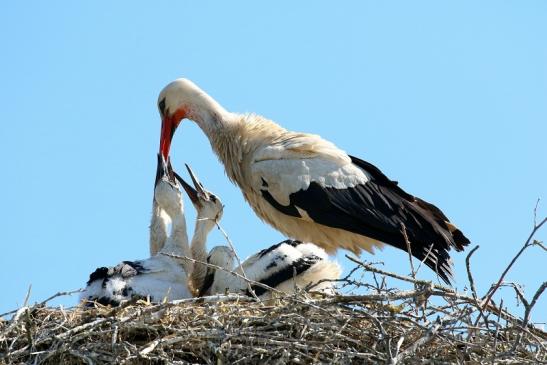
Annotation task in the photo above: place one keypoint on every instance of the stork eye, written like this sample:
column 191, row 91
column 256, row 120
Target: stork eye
column 214, row 198
column 161, row 106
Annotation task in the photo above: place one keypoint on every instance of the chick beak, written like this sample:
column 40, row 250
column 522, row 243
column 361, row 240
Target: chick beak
column 192, row 193
column 197, row 184
column 171, row 173
column 161, row 169
column 164, row 170
column 195, row 192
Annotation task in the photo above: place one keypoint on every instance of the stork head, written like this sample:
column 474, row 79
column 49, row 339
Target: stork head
column 222, row 256
column 179, row 100
column 167, row 190
column 207, row 204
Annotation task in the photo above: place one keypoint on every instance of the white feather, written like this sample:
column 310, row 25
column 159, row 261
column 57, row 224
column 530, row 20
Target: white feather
column 259, row 267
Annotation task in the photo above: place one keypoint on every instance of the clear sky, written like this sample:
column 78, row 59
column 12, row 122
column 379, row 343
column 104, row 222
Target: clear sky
column 448, row 98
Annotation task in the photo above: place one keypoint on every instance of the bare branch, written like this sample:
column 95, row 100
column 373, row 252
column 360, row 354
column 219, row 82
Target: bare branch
column 249, row 287
column 424, row 340
column 502, row 277
column 469, row 274
column 409, row 250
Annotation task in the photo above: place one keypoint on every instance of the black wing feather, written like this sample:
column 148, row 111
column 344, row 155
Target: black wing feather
column 125, row 269
column 381, row 210
column 289, row 242
column 288, row 272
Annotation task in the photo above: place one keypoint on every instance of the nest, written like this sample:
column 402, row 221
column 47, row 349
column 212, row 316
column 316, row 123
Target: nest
column 371, row 323
column 426, row 324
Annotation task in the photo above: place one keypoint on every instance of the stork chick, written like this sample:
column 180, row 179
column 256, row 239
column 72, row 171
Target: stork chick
column 209, row 210
column 159, row 277
column 285, row 266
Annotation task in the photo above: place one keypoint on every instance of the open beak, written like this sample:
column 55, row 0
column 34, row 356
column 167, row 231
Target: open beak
column 193, row 192
column 164, row 169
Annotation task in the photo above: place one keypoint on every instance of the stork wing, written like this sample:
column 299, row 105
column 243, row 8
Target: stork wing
column 278, row 263
column 355, row 196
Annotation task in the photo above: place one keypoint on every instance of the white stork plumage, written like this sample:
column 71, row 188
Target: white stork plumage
column 209, row 210
column 285, row 266
column 307, row 188
column 158, row 228
column 159, row 220
column 158, row 277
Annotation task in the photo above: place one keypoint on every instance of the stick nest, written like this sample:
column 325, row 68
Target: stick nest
column 425, row 324
column 371, row 323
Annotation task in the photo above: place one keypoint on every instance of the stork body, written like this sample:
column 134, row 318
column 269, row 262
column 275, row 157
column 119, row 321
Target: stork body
column 285, row 266
column 160, row 276
column 307, row 188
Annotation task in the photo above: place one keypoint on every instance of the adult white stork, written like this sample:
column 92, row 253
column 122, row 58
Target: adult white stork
column 307, row 188
column 285, row 266
column 158, row 277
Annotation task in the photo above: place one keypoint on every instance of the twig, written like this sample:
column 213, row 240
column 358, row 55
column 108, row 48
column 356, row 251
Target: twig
column 219, row 298
column 497, row 333
column 44, row 302
column 502, row 277
column 409, row 250
column 216, row 267
column 472, row 283
column 407, row 294
column 536, row 211
column 249, row 287
column 371, row 268
column 528, row 311
column 59, row 294
column 469, row 274
column 27, row 296
column 429, row 250
column 425, row 339
column 81, row 356
column 447, row 293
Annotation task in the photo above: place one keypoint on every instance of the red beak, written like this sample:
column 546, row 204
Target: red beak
column 166, row 136
column 169, row 125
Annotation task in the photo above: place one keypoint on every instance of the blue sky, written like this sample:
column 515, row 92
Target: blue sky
column 448, row 98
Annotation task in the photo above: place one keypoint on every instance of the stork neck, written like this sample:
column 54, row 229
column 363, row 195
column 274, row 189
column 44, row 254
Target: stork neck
column 178, row 229
column 158, row 228
column 208, row 114
column 178, row 242
column 213, row 121
column 199, row 250
column 229, row 143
